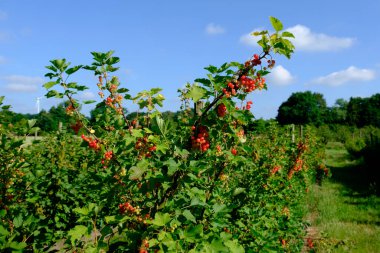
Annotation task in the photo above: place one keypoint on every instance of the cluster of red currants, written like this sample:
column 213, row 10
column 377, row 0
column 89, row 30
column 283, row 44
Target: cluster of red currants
column 77, row 126
column 108, row 155
column 70, row 110
column 297, row 167
column 126, row 207
column 145, row 148
column 221, row 110
column 92, row 143
column 199, row 138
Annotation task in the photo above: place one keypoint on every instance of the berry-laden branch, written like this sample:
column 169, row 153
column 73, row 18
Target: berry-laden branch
column 233, row 86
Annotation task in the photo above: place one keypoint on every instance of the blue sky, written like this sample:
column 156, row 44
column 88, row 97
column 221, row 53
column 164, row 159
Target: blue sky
column 168, row 43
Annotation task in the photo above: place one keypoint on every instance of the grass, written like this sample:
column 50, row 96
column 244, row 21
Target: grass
column 346, row 209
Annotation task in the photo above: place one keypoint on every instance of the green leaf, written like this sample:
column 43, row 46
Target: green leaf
column 217, row 246
column 5, row 107
column 172, row 166
column 259, row 33
column 82, row 211
column 196, row 93
column 113, row 60
column 161, row 219
column 77, row 233
column 89, row 102
column 52, row 68
column 277, row 25
column 287, row 34
column 193, row 232
column 53, row 93
column 31, row 122
column 234, row 246
column 17, row 245
column 189, row 216
column 3, row 231
column 60, row 64
column 1, row 99
column 81, row 87
column 238, row 190
column 203, row 81
column 211, row 69
column 3, row 212
column 136, row 172
column 17, row 221
column 109, row 219
column 73, row 69
column 122, row 90
column 48, row 85
column 217, row 208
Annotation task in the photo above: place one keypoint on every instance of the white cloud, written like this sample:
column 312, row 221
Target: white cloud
column 213, row 29
column 18, row 83
column 3, row 15
column 249, row 39
column 87, row 95
column 306, row 40
column 351, row 74
column 280, row 76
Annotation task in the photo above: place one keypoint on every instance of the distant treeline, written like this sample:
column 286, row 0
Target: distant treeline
column 301, row 108
column 310, row 108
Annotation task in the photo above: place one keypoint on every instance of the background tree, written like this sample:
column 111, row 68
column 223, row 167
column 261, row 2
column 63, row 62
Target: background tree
column 364, row 111
column 303, row 108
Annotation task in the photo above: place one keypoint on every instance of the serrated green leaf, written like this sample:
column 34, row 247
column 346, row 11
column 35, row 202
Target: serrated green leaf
column 234, row 246
column 60, row 64
column 172, row 166
column 277, row 25
column 196, row 93
column 82, row 211
column 211, row 69
column 77, row 233
column 3, row 231
column 160, row 219
column 17, row 221
column 217, row 208
column 113, row 60
column 203, row 81
column 136, row 172
column 52, row 93
column 52, row 68
column 17, row 245
column 48, row 85
column 287, row 34
column 189, row 216
column 193, row 232
column 73, row 69
column 217, row 246
column 109, row 219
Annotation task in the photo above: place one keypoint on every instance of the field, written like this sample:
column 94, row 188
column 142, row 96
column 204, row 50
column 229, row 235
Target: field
column 345, row 209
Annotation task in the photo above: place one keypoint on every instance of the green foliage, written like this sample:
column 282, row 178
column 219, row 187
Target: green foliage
column 303, row 108
column 142, row 182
